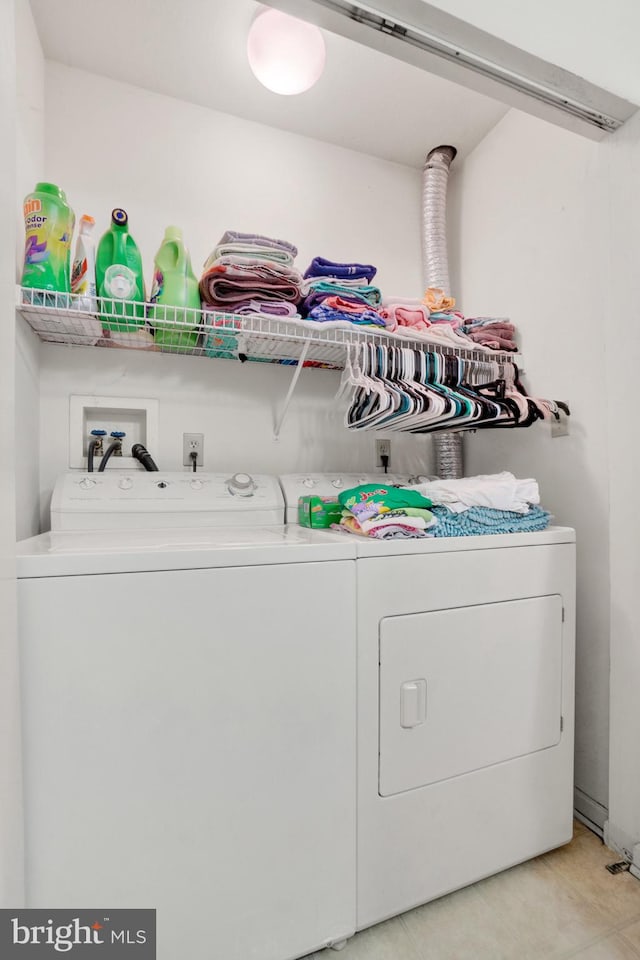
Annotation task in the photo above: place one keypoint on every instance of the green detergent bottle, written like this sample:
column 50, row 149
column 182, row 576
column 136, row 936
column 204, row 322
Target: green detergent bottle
column 174, row 286
column 48, row 223
column 119, row 276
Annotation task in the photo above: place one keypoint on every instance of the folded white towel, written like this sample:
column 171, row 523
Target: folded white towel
column 500, row 491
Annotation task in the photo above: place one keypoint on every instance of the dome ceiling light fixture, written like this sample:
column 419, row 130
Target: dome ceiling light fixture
column 285, row 54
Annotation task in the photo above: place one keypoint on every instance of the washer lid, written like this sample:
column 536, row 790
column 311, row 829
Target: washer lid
column 73, row 553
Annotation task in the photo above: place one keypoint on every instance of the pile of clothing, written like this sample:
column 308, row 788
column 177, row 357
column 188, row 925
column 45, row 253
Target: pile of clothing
column 435, row 317
column 341, row 292
column 487, row 504
column 473, row 506
column 497, row 333
column 385, row 512
column 250, row 273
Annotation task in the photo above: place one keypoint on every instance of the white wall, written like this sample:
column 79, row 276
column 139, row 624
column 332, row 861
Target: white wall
column 30, row 114
column 233, row 404
column 27, row 431
column 622, row 165
column 11, row 834
column 167, row 161
column 527, row 215
column 29, row 169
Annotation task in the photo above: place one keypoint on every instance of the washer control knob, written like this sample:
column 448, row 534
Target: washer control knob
column 87, row 483
column 125, row 483
column 308, row 482
column 337, row 482
column 196, row 484
column 241, row 485
column 242, row 481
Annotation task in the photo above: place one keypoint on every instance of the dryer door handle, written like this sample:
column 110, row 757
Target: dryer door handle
column 413, row 703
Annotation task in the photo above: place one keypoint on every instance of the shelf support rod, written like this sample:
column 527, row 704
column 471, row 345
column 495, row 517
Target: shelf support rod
column 290, row 391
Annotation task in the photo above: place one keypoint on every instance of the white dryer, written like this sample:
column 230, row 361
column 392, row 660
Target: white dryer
column 465, row 711
column 189, row 716
column 466, row 661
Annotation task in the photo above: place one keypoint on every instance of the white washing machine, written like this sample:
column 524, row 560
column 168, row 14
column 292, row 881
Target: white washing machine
column 466, row 661
column 189, row 715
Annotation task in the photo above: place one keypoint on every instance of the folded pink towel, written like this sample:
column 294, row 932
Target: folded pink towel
column 404, row 302
column 405, row 313
column 227, row 282
column 346, row 306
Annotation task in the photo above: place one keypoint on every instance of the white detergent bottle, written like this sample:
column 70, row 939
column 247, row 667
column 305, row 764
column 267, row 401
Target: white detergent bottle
column 83, row 272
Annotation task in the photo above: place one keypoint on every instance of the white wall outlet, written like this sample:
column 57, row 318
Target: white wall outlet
column 560, row 428
column 383, row 449
column 137, row 417
column 192, row 443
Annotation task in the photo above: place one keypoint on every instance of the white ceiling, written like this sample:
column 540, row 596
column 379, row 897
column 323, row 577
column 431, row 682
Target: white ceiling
column 595, row 39
column 195, row 50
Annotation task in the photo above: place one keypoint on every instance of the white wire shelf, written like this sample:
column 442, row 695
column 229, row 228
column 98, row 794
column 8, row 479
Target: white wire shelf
column 64, row 318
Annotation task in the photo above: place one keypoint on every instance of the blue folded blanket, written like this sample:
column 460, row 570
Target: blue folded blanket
column 319, row 267
column 324, row 314
column 480, row 521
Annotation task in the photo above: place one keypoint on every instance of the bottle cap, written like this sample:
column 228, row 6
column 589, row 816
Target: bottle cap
column 119, row 216
column 85, row 218
column 173, row 233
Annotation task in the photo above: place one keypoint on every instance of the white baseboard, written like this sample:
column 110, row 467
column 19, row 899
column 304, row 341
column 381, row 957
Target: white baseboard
column 589, row 811
column 620, row 841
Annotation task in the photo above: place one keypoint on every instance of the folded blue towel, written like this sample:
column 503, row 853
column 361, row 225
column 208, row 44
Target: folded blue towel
column 323, row 314
column 480, row 521
column 319, row 267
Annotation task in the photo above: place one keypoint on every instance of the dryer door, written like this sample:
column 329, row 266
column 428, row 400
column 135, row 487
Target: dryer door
column 465, row 688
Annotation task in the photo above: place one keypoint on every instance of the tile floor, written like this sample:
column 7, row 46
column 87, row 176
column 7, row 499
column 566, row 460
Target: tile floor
column 563, row 904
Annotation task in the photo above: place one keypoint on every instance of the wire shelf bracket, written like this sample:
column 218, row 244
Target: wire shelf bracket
column 292, row 386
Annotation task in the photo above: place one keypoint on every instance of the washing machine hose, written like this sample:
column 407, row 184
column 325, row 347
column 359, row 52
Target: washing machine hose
column 111, row 449
column 140, row 452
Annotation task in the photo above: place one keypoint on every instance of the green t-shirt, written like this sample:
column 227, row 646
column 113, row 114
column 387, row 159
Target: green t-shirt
column 393, row 498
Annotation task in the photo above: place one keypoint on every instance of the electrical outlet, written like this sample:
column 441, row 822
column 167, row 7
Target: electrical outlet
column 192, row 443
column 383, row 449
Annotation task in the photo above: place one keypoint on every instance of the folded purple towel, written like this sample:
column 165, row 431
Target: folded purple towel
column 319, row 267
column 270, row 308
column 257, row 240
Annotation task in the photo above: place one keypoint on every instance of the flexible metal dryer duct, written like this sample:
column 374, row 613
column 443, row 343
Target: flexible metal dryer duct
column 435, row 179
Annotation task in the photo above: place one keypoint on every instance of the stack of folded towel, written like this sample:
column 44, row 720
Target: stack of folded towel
column 341, row 292
column 384, row 512
column 487, row 504
column 251, row 273
column 433, row 317
column 401, row 312
column 497, row 333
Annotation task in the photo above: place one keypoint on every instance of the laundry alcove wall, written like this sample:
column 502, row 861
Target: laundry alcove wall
column 517, row 244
